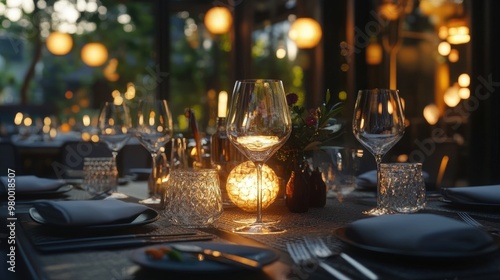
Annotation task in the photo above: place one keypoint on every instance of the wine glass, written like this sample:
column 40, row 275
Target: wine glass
column 378, row 124
column 153, row 129
column 114, row 126
column 258, row 124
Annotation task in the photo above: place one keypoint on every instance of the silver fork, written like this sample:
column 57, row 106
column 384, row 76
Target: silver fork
column 473, row 222
column 302, row 257
column 321, row 250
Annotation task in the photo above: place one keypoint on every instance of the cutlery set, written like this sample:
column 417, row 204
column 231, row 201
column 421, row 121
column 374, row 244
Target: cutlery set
column 121, row 241
column 315, row 251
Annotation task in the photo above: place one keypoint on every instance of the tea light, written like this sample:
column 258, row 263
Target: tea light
column 241, row 186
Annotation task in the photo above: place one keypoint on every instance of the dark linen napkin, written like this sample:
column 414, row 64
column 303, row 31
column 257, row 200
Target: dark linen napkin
column 368, row 179
column 418, row 233
column 29, row 183
column 480, row 194
column 88, row 212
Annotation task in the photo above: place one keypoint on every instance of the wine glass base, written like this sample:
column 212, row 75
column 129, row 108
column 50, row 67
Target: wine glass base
column 151, row 200
column 117, row 195
column 250, row 221
column 379, row 211
column 258, row 228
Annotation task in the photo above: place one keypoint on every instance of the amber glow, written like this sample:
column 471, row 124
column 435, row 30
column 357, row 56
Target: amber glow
column 431, row 114
column 218, row 20
column 305, row 32
column 464, row 80
column 222, row 105
column 374, row 53
column 68, row 94
column 94, row 54
column 18, row 119
column 258, row 143
column 59, row 43
column 458, row 32
column 242, row 186
column 444, row 48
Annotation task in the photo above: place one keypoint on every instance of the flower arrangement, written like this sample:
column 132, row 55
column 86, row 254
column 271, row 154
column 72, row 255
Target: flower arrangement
column 314, row 127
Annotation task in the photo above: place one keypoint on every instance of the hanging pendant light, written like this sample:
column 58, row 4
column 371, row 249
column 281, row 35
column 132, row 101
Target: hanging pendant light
column 59, row 43
column 94, row 54
column 305, row 32
column 218, row 20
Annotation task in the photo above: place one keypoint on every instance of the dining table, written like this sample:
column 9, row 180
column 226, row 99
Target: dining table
column 35, row 260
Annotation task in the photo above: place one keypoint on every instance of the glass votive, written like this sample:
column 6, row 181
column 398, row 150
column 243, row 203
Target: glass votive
column 402, row 187
column 192, row 197
column 98, row 175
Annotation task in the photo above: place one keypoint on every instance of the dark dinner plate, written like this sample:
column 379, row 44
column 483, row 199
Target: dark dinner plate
column 468, row 203
column 190, row 264
column 146, row 217
column 444, row 255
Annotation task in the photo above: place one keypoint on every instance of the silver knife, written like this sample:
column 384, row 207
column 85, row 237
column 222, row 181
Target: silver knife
column 120, row 243
column 218, row 256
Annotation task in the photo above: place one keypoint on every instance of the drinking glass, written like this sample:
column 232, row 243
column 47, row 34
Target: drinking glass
column 114, row 126
column 153, row 129
column 378, row 124
column 258, row 124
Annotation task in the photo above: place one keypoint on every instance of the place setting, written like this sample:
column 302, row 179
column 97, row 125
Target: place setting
column 31, row 186
column 472, row 196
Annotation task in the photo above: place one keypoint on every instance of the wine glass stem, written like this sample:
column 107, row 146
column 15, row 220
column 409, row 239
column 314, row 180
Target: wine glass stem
column 259, row 193
column 378, row 160
column 114, row 188
column 152, row 181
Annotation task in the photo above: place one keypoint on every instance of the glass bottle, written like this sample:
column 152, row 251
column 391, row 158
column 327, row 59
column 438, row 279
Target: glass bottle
column 224, row 155
column 297, row 191
column 317, row 197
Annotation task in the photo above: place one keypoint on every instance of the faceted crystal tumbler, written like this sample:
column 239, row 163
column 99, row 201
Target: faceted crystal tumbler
column 192, row 197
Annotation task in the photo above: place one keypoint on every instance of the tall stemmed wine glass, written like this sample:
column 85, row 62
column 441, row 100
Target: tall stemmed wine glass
column 258, row 124
column 114, row 126
column 378, row 124
column 153, row 129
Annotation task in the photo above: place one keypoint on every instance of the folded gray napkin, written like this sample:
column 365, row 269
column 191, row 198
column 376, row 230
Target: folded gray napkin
column 479, row 195
column 88, row 212
column 419, row 233
column 30, row 183
column 368, row 179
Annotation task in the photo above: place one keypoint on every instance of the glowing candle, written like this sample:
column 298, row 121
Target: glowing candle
column 222, row 110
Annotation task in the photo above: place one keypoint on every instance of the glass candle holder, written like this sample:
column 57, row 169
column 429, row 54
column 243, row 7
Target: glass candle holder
column 192, row 197
column 402, row 187
column 99, row 176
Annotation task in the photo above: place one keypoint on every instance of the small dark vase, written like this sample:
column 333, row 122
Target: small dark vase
column 317, row 196
column 297, row 188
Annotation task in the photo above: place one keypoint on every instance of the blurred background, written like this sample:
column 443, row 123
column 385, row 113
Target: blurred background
column 60, row 60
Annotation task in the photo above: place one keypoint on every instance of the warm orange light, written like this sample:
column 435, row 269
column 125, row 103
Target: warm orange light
column 390, row 11
column 454, row 56
column 464, row 80
column 374, row 53
column 305, row 32
column 451, row 96
column 68, row 94
column 241, row 186
column 59, row 43
column 218, row 20
column 109, row 71
column 94, row 54
column 458, row 32
column 444, row 48
column 431, row 114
